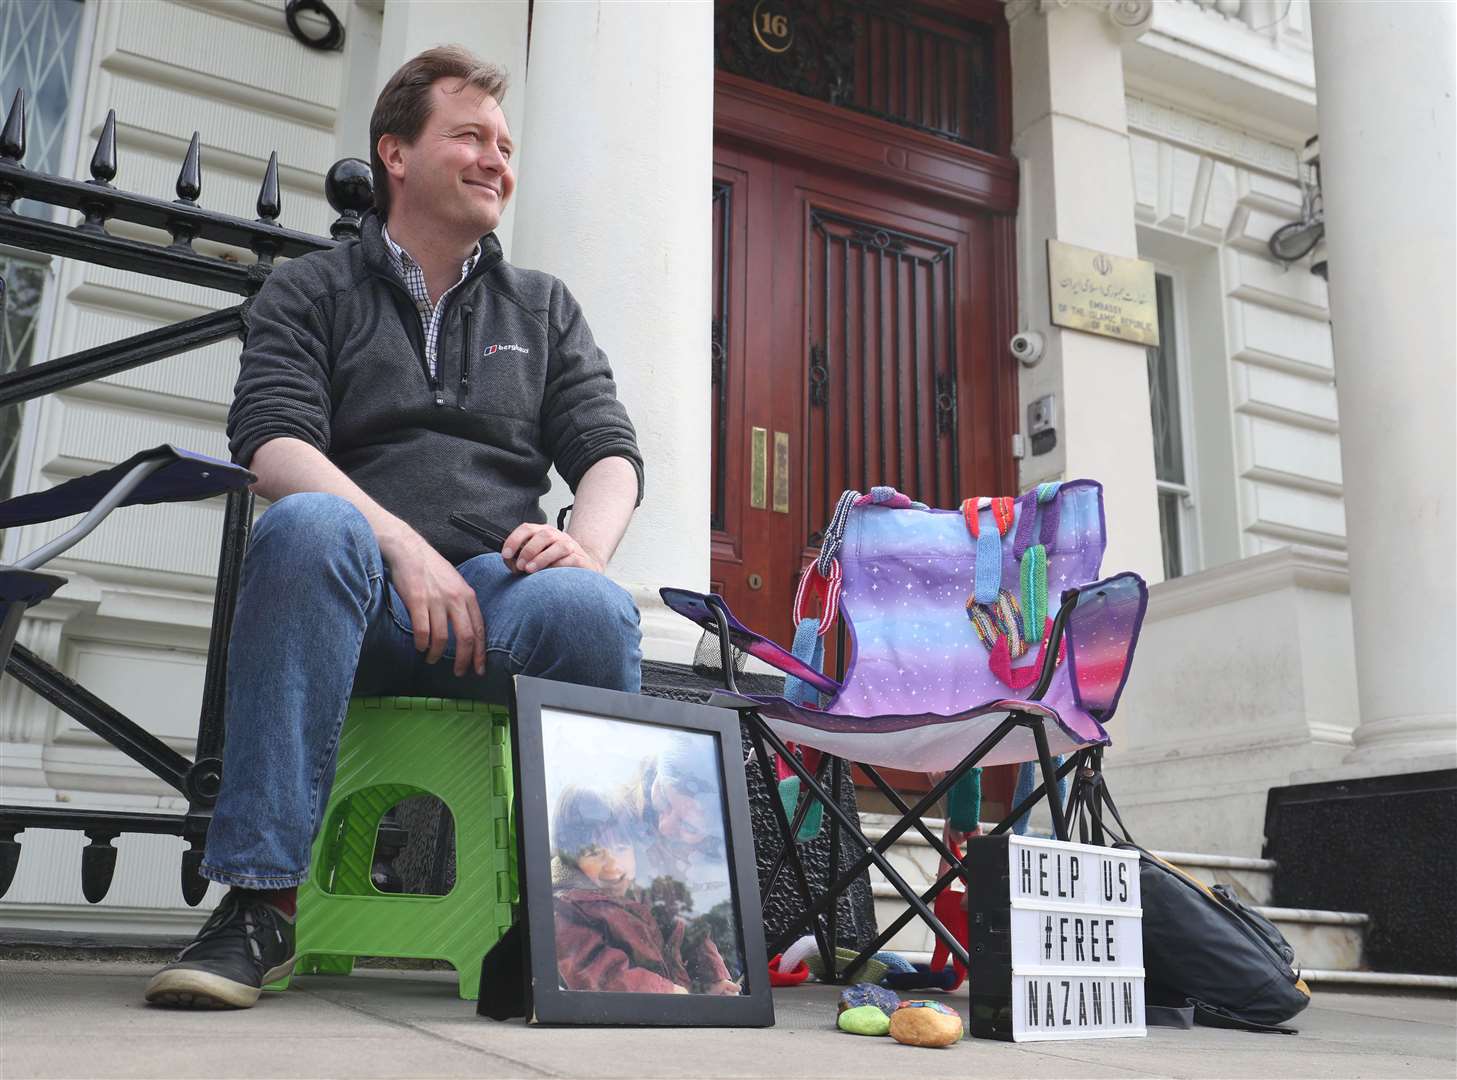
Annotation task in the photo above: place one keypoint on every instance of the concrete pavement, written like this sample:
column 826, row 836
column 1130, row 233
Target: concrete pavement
column 62, row 1018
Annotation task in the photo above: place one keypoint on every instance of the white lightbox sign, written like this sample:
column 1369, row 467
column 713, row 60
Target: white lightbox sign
column 1077, row 941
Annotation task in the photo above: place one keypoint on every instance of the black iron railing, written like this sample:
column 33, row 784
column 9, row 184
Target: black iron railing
column 348, row 189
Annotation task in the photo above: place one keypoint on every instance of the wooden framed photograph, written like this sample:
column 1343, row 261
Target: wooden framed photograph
column 639, row 890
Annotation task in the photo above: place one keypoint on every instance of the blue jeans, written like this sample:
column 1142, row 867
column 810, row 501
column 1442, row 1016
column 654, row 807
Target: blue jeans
column 319, row 622
column 1029, row 775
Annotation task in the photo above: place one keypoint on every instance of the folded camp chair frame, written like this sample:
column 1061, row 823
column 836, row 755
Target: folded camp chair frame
column 347, row 188
column 819, row 916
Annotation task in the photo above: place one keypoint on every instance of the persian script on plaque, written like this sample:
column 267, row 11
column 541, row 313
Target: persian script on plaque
column 1103, row 294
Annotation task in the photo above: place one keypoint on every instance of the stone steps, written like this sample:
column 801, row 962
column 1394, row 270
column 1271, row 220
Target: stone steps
column 1326, row 941
column 1251, row 879
column 1322, row 940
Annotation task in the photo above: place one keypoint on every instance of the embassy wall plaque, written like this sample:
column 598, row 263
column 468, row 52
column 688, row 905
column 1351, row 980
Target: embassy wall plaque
column 1056, row 939
column 1102, row 294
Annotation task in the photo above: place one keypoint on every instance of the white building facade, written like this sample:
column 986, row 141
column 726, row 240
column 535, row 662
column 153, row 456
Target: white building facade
column 1171, row 131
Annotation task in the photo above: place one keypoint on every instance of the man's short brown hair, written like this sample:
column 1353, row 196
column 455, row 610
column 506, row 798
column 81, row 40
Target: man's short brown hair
column 403, row 106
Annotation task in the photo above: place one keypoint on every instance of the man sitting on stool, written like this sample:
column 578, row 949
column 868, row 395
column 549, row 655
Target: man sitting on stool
column 387, row 385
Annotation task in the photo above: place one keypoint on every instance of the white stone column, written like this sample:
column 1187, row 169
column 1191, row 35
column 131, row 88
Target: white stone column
column 494, row 31
column 1070, row 136
column 1385, row 85
column 613, row 198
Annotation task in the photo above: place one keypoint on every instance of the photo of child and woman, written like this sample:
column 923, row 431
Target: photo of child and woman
column 641, row 891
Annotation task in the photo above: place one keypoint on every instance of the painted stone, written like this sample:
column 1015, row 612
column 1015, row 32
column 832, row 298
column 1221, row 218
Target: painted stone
column 868, row 993
column 925, row 1023
column 864, row 1020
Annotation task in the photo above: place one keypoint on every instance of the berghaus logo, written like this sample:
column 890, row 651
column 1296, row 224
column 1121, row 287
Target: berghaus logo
column 505, row 348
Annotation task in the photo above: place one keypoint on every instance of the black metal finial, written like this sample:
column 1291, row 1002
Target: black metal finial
column 269, row 203
column 189, row 180
column 349, row 187
column 103, row 161
column 98, row 865
column 12, row 139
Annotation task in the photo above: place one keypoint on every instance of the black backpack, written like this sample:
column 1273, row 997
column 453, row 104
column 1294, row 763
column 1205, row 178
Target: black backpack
column 1208, row 958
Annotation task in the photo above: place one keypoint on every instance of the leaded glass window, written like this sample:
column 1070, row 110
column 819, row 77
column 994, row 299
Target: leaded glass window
column 38, row 54
column 24, row 282
column 38, row 47
column 1170, row 459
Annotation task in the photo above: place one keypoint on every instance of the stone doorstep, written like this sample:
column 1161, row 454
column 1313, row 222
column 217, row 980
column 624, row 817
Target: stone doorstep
column 1388, row 980
column 1251, row 879
column 1325, row 981
column 1323, row 940
column 1328, row 941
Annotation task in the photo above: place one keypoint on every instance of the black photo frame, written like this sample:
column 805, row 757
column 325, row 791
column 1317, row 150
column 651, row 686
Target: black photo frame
column 569, row 739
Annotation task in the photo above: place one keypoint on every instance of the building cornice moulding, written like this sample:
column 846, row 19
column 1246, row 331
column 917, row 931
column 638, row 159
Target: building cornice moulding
column 1210, row 137
column 1130, row 18
column 1297, row 566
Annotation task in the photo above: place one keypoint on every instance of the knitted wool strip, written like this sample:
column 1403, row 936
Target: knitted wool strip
column 798, row 953
column 969, row 508
column 809, row 647
column 1004, row 619
column 1050, row 513
column 1003, row 513
column 1026, row 524
column 882, row 495
column 1034, row 592
column 963, row 802
column 988, row 566
column 988, row 544
column 1020, row 678
column 983, row 622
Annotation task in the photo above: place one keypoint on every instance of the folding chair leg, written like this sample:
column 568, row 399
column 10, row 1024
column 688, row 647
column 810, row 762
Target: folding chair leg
column 834, row 912
column 1049, row 778
column 1031, row 800
column 1082, row 801
column 787, row 832
column 927, row 897
column 801, row 811
column 874, row 852
column 937, row 844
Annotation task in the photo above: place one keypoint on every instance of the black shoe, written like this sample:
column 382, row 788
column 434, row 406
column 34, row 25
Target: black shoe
column 245, row 944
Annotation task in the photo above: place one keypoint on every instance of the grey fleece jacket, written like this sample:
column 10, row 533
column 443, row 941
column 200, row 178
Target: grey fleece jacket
column 335, row 356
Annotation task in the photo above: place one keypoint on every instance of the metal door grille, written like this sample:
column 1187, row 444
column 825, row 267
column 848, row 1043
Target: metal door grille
column 882, row 365
column 915, row 65
column 924, row 70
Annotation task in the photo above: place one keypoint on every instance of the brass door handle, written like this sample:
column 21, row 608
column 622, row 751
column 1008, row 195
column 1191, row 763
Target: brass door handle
column 781, row 472
column 759, row 470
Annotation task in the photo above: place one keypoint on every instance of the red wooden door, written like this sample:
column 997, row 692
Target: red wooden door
column 857, row 346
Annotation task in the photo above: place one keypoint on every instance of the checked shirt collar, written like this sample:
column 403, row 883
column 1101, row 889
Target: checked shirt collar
column 414, row 279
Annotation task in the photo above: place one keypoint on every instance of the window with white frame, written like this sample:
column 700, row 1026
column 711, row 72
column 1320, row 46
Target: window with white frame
column 1173, row 466
column 39, row 42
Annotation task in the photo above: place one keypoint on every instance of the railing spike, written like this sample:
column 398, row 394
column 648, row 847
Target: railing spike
column 269, row 203
column 9, row 859
column 12, row 139
column 194, row 885
column 189, row 180
column 98, row 865
column 103, row 161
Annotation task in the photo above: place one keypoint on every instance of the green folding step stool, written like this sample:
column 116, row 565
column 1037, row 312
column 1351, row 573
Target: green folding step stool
column 391, row 749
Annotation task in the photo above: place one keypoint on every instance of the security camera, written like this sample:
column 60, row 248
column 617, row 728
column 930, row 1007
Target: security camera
column 1027, row 347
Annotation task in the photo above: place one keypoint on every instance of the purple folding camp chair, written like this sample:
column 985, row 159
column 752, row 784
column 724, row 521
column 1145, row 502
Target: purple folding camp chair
column 954, row 662
column 162, row 474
